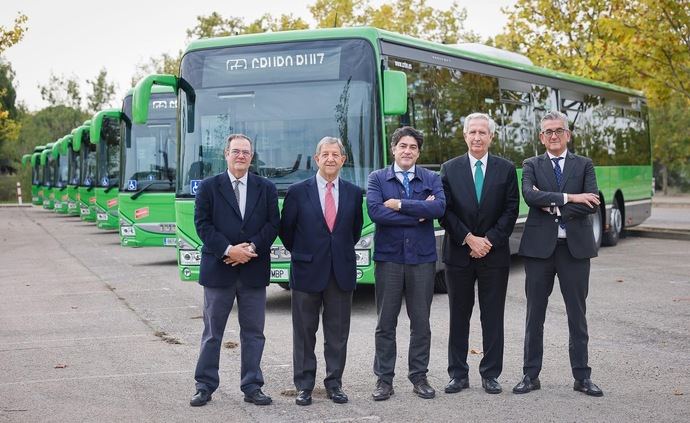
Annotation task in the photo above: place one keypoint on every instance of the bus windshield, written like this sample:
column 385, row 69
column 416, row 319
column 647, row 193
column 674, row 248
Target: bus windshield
column 74, row 167
column 88, row 161
column 49, row 171
column 61, row 171
column 149, row 157
column 285, row 97
column 109, row 153
column 37, row 175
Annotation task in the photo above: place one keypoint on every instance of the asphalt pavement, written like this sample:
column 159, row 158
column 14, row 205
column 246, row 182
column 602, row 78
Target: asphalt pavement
column 91, row 331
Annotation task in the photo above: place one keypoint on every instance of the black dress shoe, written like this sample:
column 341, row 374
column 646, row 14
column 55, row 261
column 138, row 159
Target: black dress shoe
column 423, row 390
column 257, row 397
column 383, row 391
column 336, row 395
column 588, row 387
column 457, row 385
column 527, row 385
column 303, row 397
column 201, row 397
column 491, row 385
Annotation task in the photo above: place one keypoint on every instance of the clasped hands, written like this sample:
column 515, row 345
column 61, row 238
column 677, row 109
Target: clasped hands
column 479, row 246
column 395, row 204
column 239, row 254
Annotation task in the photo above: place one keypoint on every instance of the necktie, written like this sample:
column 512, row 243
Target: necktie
column 478, row 179
column 330, row 212
column 236, row 188
column 406, row 183
column 559, row 178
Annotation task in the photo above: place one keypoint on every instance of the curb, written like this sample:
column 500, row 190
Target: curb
column 659, row 233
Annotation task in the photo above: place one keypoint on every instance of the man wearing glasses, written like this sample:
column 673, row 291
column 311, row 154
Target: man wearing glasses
column 561, row 191
column 236, row 216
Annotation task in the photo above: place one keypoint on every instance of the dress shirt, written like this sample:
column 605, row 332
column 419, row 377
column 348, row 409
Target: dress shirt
column 473, row 163
column 242, row 188
column 561, row 163
column 321, row 185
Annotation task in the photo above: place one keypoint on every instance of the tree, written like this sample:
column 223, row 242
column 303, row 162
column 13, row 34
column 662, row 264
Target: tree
column 102, row 92
column 61, row 90
column 337, row 13
column 11, row 36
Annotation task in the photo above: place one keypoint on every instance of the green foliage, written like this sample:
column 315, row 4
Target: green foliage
column 61, row 90
column 102, row 92
column 11, row 36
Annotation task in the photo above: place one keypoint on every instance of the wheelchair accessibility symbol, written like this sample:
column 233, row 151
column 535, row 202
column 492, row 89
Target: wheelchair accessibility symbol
column 105, row 181
column 132, row 185
column 194, row 186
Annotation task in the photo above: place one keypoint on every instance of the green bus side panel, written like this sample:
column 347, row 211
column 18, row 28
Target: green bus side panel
column 107, row 216
column 86, row 204
column 72, row 202
column 146, row 214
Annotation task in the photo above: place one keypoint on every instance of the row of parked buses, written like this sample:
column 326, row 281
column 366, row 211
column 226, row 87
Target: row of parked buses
column 138, row 168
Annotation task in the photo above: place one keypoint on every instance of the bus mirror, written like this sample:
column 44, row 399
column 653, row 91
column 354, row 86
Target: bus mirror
column 142, row 94
column 97, row 123
column 394, row 92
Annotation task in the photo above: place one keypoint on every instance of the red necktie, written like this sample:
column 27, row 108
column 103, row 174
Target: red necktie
column 330, row 207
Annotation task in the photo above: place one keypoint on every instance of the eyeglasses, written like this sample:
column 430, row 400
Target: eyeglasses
column 237, row 153
column 559, row 132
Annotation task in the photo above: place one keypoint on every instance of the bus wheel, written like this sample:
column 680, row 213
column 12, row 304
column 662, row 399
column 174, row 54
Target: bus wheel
column 597, row 226
column 440, row 283
column 612, row 236
column 284, row 285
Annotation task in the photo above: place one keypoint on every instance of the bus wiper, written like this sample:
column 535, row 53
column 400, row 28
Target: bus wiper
column 147, row 186
column 89, row 188
column 111, row 186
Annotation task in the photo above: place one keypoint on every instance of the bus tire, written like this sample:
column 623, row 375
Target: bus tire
column 440, row 286
column 598, row 226
column 284, row 285
column 612, row 236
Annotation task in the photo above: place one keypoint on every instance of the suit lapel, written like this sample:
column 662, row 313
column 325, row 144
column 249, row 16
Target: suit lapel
column 567, row 168
column 225, row 188
column 252, row 195
column 467, row 178
column 313, row 194
column 546, row 167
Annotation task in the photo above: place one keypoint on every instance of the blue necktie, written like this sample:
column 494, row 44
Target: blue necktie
column 406, row 183
column 559, row 179
column 478, row 179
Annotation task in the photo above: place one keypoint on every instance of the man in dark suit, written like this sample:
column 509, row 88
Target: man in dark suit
column 481, row 209
column 321, row 223
column 237, row 218
column 403, row 200
column 561, row 191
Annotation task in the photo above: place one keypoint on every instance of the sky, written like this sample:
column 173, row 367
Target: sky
column 81, row 37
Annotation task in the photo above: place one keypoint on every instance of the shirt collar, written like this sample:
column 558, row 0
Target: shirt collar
column 397, row 169
column 473, row 160
column 322, row 182
column 563, row 154
column 243, row 179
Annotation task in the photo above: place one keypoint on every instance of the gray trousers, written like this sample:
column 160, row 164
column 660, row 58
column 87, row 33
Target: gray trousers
column 218, row 302
column 416, row 284
column 306, row 308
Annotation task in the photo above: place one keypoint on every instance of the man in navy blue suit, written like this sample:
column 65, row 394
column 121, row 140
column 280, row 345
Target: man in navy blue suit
column 237, row 218
column 403, row 200
column 321, row 223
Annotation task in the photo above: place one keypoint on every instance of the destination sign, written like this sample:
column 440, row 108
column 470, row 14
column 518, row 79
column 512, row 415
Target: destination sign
column 289, row 65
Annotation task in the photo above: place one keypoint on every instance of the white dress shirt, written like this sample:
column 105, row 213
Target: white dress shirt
column 561, row 163
column 473, row 162
column 242, row 188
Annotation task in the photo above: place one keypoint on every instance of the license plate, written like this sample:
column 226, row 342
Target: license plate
column 85, row 210
column 102, row 216
column 280, row 275
column 71, row 206
column 170, row 241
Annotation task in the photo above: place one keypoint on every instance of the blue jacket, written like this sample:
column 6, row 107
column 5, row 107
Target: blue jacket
column 219, row 223
column 314, row 249
column 400, row 237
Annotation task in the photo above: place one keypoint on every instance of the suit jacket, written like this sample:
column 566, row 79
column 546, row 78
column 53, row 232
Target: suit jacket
column 493, row 217
column 541, row 228
column 400, row 237
column 219, row 223
column 316, row 251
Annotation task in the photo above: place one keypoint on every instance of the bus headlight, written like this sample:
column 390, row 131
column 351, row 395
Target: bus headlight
column 279, row 253
column 127, row 230
column 362, row 257
column 190, row 257
column 365, row 242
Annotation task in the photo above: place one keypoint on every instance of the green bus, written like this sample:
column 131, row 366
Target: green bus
column 286, row 90
column 36, row 175
column 73, row 172
column 105, row 134
column 86, row 196
column 48, row 165
column 147, row 167
column 61, row 175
